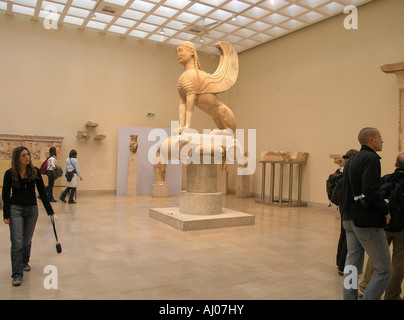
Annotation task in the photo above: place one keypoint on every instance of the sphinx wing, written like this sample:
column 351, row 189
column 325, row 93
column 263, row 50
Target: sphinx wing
column 226, row 73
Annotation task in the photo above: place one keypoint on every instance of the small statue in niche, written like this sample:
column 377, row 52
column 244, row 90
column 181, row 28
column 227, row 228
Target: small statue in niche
column 133, row 145
column 199, row 88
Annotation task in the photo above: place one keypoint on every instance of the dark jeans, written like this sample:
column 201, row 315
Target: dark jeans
column 51, row 182
column 72, row 192
column 342, row 249
column 22, row 225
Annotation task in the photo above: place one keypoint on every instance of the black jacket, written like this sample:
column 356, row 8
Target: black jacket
column 396, row 200
column 24, row 195
column 362, row 176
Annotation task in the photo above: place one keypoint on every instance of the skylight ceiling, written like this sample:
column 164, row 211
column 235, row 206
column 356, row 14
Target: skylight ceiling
column 244, row 23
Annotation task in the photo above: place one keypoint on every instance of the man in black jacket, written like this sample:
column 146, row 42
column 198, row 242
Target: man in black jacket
column 364, row 214
column 392, row 189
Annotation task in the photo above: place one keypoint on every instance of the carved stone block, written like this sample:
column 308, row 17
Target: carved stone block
column 36, row 144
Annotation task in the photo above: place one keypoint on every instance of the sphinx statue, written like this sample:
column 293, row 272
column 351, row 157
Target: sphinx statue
column 199, row 88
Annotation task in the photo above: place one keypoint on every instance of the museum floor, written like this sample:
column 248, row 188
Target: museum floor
column 112, row 249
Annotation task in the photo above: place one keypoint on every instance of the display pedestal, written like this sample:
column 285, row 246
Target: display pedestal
column 243, row 186
column 160, row 190
column 191, row 222
column 132, row 175
column 281, row 201
column 222, row 180
column 200, row 206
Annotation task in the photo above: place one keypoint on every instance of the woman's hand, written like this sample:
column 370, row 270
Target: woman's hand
column 7, row 221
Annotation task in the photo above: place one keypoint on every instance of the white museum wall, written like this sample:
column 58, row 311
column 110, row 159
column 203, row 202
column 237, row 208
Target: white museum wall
column 53, row 81
column 313, row 90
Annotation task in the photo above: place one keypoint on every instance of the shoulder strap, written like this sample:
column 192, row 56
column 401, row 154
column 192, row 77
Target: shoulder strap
column 350, row 180
column 70, row 159
column 48, row 166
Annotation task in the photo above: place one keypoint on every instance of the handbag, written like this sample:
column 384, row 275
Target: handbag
column 58, row 172
column 70, row 174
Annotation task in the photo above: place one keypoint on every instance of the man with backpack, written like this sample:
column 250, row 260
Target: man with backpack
column 333, row 188
column 392, row 189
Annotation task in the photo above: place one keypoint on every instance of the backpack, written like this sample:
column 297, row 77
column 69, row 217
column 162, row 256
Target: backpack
column 44, row 166
column 333, row 187
column 393, row 191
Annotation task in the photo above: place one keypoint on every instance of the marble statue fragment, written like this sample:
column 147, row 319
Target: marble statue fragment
column 100, row 136
column 159, row 169
column 91, row 124
column 284, row 156
column 133, row 145
column 82, row 135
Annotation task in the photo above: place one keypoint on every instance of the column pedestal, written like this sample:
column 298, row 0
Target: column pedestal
column 200, row 206
column 132, row 175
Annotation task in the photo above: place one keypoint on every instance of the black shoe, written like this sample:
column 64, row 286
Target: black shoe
column 16, row 281
column 72, row 201
column 63, row 200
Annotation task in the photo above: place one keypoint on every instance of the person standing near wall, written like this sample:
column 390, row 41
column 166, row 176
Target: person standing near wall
column 365, row 213
column 20, row 210
column 334, row 194
column 72, row 165
column 51, row 174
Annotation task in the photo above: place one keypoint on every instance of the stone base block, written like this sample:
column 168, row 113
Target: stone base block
column 189, row 222
column 243, row 186
column 160, row 190
column 200, row 203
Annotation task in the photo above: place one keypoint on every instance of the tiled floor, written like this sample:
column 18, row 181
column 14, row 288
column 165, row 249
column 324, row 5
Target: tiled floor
column 112, row 249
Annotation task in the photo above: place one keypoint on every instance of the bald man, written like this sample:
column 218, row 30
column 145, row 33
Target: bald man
column 365, row 214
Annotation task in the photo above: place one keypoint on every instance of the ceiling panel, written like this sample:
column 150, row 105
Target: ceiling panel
column 244, row 23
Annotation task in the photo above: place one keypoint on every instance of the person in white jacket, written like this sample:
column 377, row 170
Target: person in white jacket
column 72, row 165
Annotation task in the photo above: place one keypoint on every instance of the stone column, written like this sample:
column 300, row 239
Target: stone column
column 201, row 196
column 222, row 179
column 132, row 175
column 398, row 70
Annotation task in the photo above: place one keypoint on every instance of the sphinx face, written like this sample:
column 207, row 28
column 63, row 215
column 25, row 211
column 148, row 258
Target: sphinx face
column 183, row 55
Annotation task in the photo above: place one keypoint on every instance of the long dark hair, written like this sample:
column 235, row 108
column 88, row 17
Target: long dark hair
column 15, row 167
